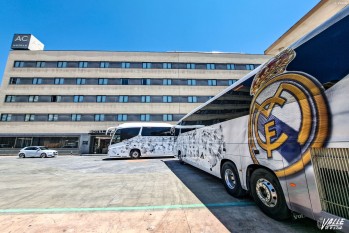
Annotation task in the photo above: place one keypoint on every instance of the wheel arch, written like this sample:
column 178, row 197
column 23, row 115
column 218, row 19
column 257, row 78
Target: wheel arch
column 253, row 167
column 135, row 148
column 250, row 169
column 237, row 168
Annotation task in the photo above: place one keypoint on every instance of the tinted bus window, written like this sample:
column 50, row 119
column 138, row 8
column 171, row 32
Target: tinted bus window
column 156, row 131
column 232, row 104
column 123, row 134
column 129, row 133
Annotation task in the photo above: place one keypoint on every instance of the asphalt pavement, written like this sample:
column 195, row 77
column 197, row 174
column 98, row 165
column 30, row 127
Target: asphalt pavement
column 94, row 194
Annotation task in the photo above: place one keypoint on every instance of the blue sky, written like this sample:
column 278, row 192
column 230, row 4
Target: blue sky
column 150, row 25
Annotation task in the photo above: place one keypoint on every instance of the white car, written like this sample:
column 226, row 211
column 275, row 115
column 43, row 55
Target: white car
column 37, row 151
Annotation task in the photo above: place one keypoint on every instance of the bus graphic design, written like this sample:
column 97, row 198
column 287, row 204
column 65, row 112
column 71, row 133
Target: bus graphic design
column 289, row 115
column 281, row 133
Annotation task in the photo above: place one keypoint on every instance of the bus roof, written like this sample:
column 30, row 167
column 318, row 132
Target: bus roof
column 334, row 19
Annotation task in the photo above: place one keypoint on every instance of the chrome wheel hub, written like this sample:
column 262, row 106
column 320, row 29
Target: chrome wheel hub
column 229, row 178
column 266, row 192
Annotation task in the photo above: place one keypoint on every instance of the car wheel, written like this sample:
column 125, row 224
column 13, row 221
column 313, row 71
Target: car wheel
column 231, row 180
column 268, row 195
column 135, row 154
column 21, row 155
column 43, row 155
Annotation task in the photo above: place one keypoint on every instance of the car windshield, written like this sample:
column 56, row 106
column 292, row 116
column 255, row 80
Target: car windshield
column 43, row 148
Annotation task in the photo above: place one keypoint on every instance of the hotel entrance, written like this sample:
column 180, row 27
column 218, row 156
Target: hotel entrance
column 99, row 142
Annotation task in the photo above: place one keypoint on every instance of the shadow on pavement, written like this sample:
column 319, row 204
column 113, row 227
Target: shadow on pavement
column 237, row 215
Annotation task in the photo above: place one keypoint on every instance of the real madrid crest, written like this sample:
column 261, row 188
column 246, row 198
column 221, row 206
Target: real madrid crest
column 288, row 115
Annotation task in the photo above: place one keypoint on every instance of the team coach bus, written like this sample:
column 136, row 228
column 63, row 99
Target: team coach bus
column 281, row 133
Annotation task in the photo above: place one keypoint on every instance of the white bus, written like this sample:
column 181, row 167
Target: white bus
column 281, row 133
column 140, row 139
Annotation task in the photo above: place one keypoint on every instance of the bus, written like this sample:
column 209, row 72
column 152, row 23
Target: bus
column 281, row 133
column 140, row 139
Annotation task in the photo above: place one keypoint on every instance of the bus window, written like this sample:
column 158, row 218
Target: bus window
column 124, row 134
column 116, row 137
column 156, row 131
column 232, row 104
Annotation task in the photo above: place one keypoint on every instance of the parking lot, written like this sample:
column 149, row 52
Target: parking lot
column 93, row 194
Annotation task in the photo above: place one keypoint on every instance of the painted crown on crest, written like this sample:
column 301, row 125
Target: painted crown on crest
column 275, row 66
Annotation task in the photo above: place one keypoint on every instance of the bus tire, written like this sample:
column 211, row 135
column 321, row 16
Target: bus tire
column 231, row 180
column 268, row 195
column 135, row 154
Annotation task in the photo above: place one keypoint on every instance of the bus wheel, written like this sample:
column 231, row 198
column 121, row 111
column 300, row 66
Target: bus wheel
column 135, row 154
column 268, row 195
column 231, row 180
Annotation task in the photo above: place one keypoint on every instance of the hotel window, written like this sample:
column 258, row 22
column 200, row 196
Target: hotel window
column 102, row 81
column 29, row 117
column 167, row 117
column 230, row 67
column 210, row 66
column 146, row 65
column 10, row 98
column 99, row 117
column 37, row 81
column 145, row 81
column 125, row 65
column 14, row 81
column 76, row 117
column 191, row 82
column 146, row 99
column 80, row 81
column 62, row 64
column 104, row 64
column 190, row 66
column 167, row 99
column 192, row 99
column 145, row 117
column 100, row 98
column 249, row 67
column 19, row 64
column 124, row 81
column 6, row 117
column 83, row 64
column 56, row 98
column 231, row 82
column 212, row 82
column 122, row 117
column 167, row 82
column 78, row 98
column 59, row 81
column 166, row 65
column 33, row 98
column 40, row 64
column 52, row 117
column 123, row 98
